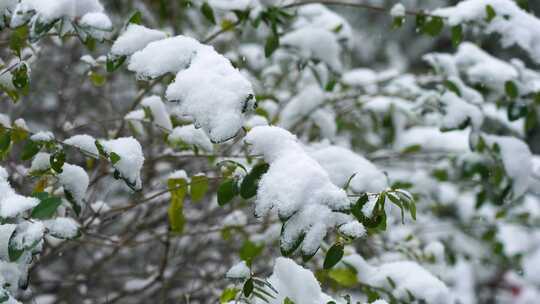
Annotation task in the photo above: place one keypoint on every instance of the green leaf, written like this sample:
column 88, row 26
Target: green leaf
column 452, row 87
column 345, row 277
column 97, row 79
column 199, row 187
column 14, row 253
column 208, row 12
column 248, row 287
column 18, row 39
column 113, row 63
column 271, row 45
column 5, row 142
column 20, row 76
column 411, row 149
column 178, row 188
column 114, row 157
column 398, row 22
column 433, row 26
column 333, row 256
column 457, row 34
column 228, row 295
column 490, row 13
column 135, row 18
column 250, row 184
column 250, row 251
column 227, row 191
column 511, row 89
column 288, row 301
column 291, row 249
column 57, row 161
column 517, row 110
column 47, row 207
column 30, row 150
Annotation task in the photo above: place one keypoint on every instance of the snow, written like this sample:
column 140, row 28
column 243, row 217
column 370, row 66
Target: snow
column 11, row 203
column 432, row 139
column 301, row 106
column 256, row 120
column 100, row 207
column 398, row 10
column 85, row 143
column 315, row 43
column 168, row 55
column 457, row 111
column 360, row 77
column 62, row 227
column 160, row 116
column 27, row 234
column 5, row 120
column 237, row 218
column 231, row 4
column 514, row 25
column 191, row 136
column 97, row 21
column 131, row 158
column 74, row 180
column 298, row 187
column 517, row 160
column 179, row 174
column 41, row 162
column 319, row 16
column 341, row 164
column 202, row 74
column 294, row 282
column 42, row 136
column 195, row 88
column 54, row 9
column 135, row 38
column 239, row 271
column 353, row 230
column 407, row 275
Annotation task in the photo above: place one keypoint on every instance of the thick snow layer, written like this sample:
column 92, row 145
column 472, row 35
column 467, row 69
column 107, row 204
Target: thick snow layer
column 54, row 9
column 97, row 21
column 296, row 283
column 432, row 139
column 131, row 158
column 398, row 10
column 302, row 106
column 41, row 162
column 62, row 227
column 513, row 24
column 135, row 38
column 11, row 203
column 191, row 136
column 160, row 116
column 360, row 77
column 319, row 16
column 517, row 160
column 212, row 93
column 84, row 142
column 208, row 89
column 42, row 136
column 406, row 275
column 27, row 234
column 164, row 56
column 75, row 180
column 341, row 164
column 239, row 271
column 457, row 111
column 298, row 187
column 315, row 43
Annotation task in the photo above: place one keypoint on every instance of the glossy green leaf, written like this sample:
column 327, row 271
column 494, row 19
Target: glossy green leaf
column 271, row 45
column 208, row 12
column 178, row 189
column 250, row 184
column 30, row 150
column 46, row 208
column 248, row 288
column 227, row 191
column 333, row 256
